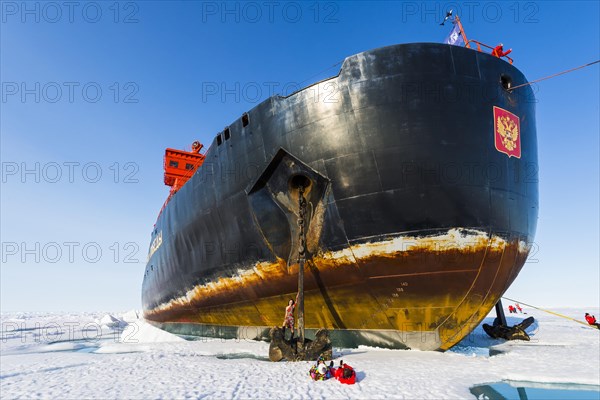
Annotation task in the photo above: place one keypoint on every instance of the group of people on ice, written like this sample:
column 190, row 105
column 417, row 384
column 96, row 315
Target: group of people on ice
column 513, row 309
column 590, row 319
column 321, row 372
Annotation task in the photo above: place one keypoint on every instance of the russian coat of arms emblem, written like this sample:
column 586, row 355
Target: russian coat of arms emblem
column 507, row 132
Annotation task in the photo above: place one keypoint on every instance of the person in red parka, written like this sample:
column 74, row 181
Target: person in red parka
column 591, row 320
column 345, row 374
column 499, row 51
column 519, row 308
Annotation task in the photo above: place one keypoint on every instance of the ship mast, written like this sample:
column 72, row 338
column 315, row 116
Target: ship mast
column 462, row 31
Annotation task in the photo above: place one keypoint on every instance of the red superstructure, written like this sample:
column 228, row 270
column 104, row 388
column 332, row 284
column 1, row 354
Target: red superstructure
column 180, row 166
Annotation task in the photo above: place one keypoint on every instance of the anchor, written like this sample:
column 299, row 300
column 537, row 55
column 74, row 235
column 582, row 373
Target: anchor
column 300, row 349
column 501, row 330
column 288, row 201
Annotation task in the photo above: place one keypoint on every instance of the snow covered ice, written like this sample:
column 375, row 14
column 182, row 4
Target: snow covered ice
column 118, row 355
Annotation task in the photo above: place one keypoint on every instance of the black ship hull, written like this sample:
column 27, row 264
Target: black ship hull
column 418, row 221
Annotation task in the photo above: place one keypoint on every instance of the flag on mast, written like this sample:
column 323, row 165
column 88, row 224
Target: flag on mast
column 455, row 37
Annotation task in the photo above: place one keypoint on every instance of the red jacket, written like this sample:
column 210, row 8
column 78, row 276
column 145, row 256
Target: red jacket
column 339, row 375
column 590, row 319
column 499, row 51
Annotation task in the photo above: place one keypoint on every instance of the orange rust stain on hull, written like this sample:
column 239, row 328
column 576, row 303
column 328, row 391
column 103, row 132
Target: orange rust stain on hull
column 445, row 293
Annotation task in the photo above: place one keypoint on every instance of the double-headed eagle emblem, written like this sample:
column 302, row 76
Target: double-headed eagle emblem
column 507, row 132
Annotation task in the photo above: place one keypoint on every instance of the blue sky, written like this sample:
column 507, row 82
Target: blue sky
column 92, row 95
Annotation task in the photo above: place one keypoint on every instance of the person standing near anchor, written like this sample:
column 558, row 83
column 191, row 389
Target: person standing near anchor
column 288, row 321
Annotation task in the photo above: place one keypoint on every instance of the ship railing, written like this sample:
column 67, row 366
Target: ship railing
column 479, row 45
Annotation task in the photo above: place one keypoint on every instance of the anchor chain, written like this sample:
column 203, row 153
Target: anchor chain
column 301, row 224
column 301, row 260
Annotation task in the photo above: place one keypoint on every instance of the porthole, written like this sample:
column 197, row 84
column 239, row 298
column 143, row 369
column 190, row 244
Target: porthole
column 506, row 82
